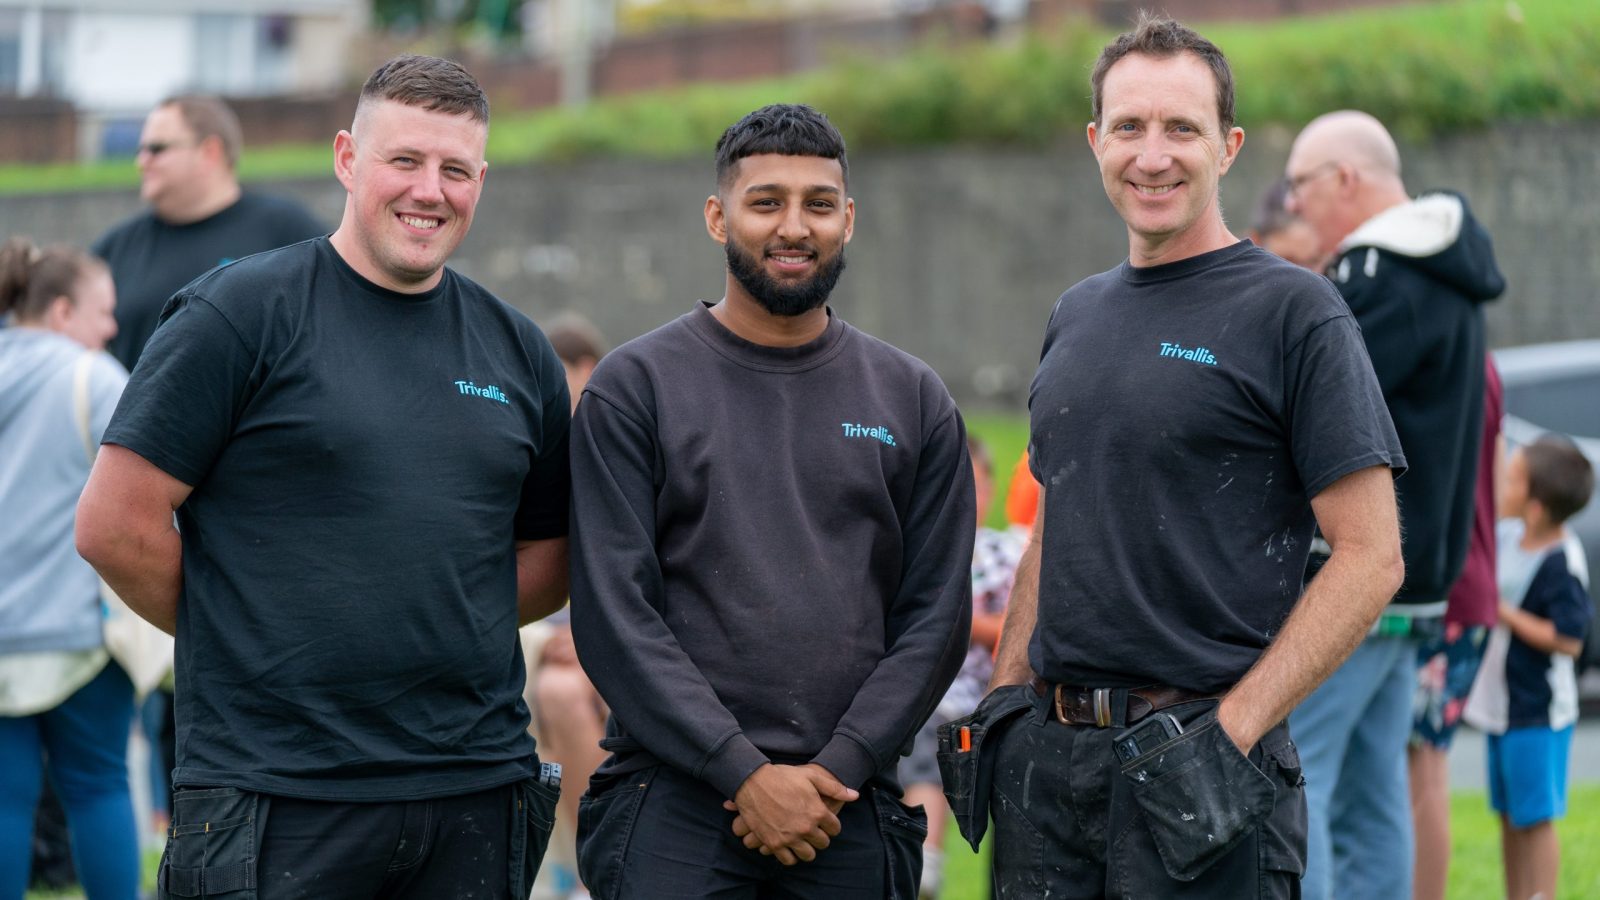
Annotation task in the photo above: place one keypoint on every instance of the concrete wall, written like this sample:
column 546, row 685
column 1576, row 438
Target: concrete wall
column 959, row 253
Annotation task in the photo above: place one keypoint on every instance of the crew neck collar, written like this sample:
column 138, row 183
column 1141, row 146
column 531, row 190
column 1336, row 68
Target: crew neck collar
column 1188, row 266
column 760, row 356
column 366, row 285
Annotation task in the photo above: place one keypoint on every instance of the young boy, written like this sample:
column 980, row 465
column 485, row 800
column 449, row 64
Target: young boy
column 1525, row 697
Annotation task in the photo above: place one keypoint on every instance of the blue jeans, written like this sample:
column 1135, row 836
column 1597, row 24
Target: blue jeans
column 1352, row 733
column 86, row 738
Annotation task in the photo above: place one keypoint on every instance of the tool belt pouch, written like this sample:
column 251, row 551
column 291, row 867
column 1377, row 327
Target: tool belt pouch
column 213, row 844
column 968, row 774
column 1200, row 796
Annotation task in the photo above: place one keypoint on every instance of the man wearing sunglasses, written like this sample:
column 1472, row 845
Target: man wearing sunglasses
column 196, row 216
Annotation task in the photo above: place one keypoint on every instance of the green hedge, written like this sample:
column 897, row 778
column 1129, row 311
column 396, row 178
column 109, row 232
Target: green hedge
column 1425, row 69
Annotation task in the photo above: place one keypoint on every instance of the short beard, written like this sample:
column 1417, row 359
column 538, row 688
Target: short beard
column 779, row 298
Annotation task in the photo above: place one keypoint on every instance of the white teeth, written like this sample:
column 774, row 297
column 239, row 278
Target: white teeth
column 790, row 259
column 1146, row 189
column 415, row 222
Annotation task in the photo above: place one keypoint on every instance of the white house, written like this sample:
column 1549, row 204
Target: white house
column 119, row 57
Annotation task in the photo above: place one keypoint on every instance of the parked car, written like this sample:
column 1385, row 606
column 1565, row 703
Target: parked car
column 1556, row 387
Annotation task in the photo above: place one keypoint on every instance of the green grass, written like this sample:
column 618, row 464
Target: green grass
column 1427, row 69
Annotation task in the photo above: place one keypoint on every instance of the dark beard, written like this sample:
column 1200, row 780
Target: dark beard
column 780, row 298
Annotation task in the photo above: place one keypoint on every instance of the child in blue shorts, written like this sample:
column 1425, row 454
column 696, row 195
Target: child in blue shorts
column 1525, row 696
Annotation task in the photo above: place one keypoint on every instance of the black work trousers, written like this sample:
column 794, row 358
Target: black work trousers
column 658, row 834
column 242, row 845
column 1069, row 821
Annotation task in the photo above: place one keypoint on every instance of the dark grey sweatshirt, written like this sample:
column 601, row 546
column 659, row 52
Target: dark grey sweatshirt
column 770, row 549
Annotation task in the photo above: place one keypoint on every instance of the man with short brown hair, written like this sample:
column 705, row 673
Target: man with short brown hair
column 367, row 455
column 197, row 216
column 1197, row 412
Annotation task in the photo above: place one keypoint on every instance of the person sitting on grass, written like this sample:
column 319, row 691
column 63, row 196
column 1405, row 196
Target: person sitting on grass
column 1525, row 696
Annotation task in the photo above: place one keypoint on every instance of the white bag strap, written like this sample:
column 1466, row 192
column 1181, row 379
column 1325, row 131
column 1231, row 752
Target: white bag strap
column 80, row 402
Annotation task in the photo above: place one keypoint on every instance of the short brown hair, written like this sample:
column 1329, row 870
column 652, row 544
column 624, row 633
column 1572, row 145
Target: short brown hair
column 1559, row 476
column 1164, row 39
column 574, row 338
column 430, row 83
column 209, row 117
column 31, row 278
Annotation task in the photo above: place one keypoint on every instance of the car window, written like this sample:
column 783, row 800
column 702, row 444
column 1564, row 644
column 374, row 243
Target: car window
column 1569, row 406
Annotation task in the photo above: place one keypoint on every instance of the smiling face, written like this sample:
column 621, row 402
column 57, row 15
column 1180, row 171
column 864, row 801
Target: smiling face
column 1162, row 151
column 784, row 221
column 414, row 177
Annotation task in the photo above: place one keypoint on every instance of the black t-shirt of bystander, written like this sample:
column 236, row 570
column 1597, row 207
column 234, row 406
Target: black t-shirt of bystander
column 362, row 462
column 1183, row 417
column 151, row 259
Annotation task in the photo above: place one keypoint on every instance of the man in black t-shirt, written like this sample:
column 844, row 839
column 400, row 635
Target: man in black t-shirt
column 367, row 455
column 771, row 553
column 198, row 216
column 1197, row 411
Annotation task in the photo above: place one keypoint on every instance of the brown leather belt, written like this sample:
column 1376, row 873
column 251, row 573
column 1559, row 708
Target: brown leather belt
column 1093, row 706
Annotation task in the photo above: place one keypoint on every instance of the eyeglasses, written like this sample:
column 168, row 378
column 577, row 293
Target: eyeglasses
column 1308, row 176
column 156, row 148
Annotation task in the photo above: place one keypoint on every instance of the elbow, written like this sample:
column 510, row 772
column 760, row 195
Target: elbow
column 1393, row 569
column 93, row 534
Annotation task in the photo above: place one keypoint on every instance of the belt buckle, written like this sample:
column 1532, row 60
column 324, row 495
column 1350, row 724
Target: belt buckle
column 1102, row 707
column 1061, row 712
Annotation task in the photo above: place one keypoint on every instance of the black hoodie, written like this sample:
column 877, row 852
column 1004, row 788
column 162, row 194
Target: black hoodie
column 1416, row 277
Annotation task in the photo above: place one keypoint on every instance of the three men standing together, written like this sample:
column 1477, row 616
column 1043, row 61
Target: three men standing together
column 771, row 525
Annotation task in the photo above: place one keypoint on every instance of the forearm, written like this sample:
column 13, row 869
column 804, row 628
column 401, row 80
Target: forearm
column 1011, row 660
column 1538, row 632
column 1333, row 616
column 541, row 578
column 145, row 567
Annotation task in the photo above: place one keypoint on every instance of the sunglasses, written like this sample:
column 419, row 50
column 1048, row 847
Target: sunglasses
column 156, row 148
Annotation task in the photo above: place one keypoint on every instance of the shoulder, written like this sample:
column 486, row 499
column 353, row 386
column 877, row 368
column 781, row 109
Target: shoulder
column 105, row 372
column 276, row 210
column 888, row 362
column 108, row 244
column 256, row 288
column 629, row 370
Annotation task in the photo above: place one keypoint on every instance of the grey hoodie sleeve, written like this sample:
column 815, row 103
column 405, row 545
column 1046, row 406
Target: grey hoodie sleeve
column 655, row 691
column 929, row 621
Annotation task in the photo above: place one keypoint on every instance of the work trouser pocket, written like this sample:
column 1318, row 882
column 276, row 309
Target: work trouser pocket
column 1199, row 795
column 606, row 816
column 533, row 816
column 213, row 844
column 903, row 829
column 1283, row 833
column 966, row 769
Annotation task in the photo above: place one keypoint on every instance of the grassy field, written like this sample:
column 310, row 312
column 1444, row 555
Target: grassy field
column 1474, row 870
column 1425, row 69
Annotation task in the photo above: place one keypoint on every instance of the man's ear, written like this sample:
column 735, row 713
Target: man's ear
column 849, row 218
column 344, row 159
column 716, row 219
column 1231, row 144
column 1092, row 133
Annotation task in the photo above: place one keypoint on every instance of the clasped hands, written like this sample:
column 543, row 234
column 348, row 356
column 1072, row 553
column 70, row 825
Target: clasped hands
column 789, row 812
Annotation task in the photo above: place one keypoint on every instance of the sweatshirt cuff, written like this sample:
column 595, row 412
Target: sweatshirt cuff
column 733, row 762
column 847, row 760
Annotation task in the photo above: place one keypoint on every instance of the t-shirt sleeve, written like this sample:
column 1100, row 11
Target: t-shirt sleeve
column 1338, row 421
column 542, row 512
column 1556, row 595
column 186, row 394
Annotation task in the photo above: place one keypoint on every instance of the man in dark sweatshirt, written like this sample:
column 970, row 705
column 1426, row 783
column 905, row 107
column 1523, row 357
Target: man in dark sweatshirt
column 1415, row 273
column 770, row 561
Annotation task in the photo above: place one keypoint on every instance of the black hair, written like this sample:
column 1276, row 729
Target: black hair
column 787, row 129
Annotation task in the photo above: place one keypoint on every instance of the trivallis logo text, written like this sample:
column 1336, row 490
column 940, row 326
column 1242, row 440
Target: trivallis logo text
column 1198, row 354
column 488, row 392
column 877, row 433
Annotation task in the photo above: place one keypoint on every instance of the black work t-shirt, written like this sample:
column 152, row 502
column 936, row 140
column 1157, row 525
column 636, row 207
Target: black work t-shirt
column 150, row 259
column 362, row 463
column 1183, row 416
